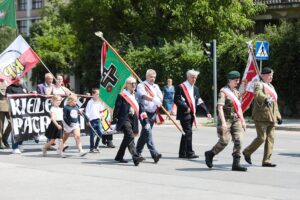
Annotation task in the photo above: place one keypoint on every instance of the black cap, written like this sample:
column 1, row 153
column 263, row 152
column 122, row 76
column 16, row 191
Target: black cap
column 266, row 70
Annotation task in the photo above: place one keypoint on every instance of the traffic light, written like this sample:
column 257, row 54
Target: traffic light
column 209, row 50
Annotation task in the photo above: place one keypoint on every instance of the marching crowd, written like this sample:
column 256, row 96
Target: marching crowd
column 138, row 104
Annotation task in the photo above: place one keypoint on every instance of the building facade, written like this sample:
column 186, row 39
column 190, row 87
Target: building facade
column 276, row 10
column 27, row 13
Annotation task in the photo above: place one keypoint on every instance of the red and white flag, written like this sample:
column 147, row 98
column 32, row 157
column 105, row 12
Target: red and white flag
column 246, row 89
column 17, row 59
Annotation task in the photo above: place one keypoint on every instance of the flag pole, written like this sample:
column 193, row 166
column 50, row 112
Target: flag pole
column 250, row 47
column 100, row 34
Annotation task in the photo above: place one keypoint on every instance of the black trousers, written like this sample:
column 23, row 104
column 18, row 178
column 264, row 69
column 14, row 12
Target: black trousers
column 186, row 148
column 128, row 141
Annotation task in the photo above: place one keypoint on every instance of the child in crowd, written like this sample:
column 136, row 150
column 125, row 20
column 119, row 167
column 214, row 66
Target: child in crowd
column 71, row 121
column 55, row 129
column 94, row 110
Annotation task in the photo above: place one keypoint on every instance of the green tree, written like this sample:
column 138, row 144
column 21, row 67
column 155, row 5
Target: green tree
column 7, row 36
column 55, row 42
column 284, row 59
column 149, row 25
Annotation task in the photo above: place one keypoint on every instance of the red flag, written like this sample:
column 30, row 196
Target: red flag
column 17, row 60
column 247, row 86
column 103, row 56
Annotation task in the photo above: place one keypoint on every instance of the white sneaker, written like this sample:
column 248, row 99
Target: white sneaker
column 16, row 151
column 83, row 153
column 21, row 148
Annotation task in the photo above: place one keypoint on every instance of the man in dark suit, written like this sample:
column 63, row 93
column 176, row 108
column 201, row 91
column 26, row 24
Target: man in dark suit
column 43, row 87
column 125, row 118
column 187, row 98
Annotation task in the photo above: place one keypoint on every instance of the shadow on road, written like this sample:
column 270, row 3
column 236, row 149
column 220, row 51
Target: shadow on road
column 290, row 154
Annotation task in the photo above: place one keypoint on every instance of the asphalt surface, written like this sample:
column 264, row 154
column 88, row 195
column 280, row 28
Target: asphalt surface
column 97, row 176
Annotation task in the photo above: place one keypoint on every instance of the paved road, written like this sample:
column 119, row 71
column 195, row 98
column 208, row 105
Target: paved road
column 97, row 176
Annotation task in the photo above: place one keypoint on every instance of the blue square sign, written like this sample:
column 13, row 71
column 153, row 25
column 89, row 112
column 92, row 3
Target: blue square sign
column 262, row 50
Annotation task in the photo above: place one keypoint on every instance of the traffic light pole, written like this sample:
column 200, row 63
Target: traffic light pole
column 215, row 78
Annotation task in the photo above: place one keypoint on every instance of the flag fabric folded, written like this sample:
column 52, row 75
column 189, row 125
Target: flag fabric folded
column 113, row 75
column 17, row 60
column 8, row 13
column 251, row 75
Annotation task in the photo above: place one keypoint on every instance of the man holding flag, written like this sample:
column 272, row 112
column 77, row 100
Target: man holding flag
column 150, row 96
column 265, row 114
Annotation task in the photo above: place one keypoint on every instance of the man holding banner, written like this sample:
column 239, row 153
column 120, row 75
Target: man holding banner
column 265, row 114
column 16, row 88
column 230, row 122
column 150, row 96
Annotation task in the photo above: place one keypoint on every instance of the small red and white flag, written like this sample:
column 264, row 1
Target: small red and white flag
column 246, row 89
column 17, row 59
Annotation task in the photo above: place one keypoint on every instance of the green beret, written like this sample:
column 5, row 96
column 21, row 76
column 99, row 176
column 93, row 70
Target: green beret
column 233, row 75
column 266, row 70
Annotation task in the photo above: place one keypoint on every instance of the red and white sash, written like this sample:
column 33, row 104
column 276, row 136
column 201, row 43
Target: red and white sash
column 159, row 119
column 190, row 100
column 235, row 101
column 271, row 91
column 149, row 89
column 131, row 100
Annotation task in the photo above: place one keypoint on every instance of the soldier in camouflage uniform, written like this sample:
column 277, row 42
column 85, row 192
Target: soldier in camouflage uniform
column 265, row 114
column 230, row 122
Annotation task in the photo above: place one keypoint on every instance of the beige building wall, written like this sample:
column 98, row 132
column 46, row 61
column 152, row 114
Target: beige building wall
column 28, row 12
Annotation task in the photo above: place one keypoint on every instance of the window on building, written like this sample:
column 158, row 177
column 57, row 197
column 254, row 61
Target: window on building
column 22, row 26
column 22, row 4
column 36, row 4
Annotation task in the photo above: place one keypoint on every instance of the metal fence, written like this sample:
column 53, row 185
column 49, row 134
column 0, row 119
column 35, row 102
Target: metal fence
column 274, row 2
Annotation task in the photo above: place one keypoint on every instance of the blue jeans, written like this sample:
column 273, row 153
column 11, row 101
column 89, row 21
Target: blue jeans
column 146, row 137
column 96, row 124
column 14, row 144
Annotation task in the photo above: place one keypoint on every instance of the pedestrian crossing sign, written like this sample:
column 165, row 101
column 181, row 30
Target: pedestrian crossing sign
column 262, row 50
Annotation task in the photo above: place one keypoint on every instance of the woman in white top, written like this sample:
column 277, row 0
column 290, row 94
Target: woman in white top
column 58, row 88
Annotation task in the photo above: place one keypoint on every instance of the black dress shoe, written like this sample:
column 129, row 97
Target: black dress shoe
column 121, row 160
column 6, row 144
column 182, row 156
column 268, row 165
column 192, row 156
column 156, row 158
column 137, row 160
column 247, row 158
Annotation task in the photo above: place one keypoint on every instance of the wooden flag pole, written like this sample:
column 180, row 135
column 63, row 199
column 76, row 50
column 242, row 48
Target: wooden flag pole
column 100, row 34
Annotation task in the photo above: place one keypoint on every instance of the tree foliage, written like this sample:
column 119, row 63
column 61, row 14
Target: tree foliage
column 7, row 36
column 284, row 59
column 54, row 41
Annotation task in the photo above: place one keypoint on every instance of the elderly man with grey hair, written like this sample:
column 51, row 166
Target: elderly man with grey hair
column 43, row 87
column 150, row 97
column 187, row 98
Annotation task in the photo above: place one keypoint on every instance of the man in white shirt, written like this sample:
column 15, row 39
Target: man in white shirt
column 187, row 98
column 150, row 96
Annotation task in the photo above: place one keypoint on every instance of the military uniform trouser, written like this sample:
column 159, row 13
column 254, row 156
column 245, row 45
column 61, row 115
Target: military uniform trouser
column 234, row 130
column 265, row 133
column 4, row 133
